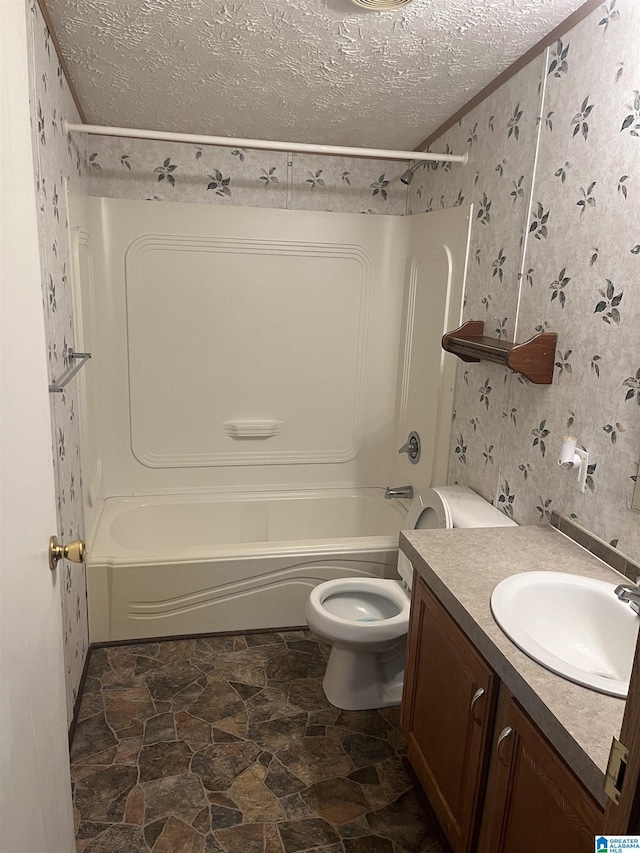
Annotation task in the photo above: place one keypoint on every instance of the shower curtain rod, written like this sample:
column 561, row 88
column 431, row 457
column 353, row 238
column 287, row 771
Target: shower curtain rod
column 263, row 144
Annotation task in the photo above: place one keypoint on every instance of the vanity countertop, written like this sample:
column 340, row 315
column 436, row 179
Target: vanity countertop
column 462, row 567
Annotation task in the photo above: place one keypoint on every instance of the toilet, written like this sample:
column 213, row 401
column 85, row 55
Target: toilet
column 365, row 620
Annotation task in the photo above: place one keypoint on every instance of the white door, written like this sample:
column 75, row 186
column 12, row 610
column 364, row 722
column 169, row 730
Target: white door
column 35, row 795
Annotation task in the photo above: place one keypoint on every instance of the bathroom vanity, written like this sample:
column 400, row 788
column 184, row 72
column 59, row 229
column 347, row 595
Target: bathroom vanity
column 511, row 756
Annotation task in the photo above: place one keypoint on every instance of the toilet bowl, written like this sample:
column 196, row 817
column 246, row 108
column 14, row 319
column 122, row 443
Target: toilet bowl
column 365, row 620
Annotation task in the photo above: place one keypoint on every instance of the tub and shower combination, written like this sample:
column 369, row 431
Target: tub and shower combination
column 251, row 369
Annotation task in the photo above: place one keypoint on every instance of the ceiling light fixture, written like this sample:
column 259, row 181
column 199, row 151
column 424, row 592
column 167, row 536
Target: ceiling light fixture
column 381, row 5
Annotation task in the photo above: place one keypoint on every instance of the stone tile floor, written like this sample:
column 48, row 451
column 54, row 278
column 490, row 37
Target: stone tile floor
column 229, row 744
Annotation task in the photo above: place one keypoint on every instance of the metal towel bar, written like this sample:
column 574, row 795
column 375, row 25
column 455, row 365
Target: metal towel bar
column 79, row 357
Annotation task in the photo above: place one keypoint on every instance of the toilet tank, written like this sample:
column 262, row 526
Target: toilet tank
column 469, row 509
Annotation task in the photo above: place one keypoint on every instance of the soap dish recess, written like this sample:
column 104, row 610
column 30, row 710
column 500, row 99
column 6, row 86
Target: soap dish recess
column 252, row 429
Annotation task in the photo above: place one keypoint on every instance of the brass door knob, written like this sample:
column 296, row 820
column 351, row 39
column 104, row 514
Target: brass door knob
column 74, row 551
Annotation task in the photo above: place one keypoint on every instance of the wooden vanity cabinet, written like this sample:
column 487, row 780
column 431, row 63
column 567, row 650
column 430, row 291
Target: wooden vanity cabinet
column 534, row 802
column 447, row 716
column 462, row 726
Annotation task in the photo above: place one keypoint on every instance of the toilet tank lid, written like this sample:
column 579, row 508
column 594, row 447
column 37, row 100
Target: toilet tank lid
column 437, row 517
column 469, row 509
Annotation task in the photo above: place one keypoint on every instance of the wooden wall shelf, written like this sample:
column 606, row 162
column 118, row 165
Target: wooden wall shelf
column 533, row 358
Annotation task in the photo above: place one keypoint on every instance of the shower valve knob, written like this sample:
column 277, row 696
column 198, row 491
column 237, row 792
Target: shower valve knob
column 412, row 447
column 74, row 551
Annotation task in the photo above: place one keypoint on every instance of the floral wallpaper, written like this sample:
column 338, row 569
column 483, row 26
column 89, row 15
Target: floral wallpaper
column 554, row 175
column 172, row 171
column 58, row 157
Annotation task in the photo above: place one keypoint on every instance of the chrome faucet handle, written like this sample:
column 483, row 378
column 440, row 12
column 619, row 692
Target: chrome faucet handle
column 412, row 447
column 630, row 594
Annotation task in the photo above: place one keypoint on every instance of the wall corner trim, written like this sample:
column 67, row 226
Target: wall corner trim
column 568, row 24
column 65, row 68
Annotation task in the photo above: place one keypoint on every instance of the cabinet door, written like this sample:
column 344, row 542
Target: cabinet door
column 447, row 711
column 534, row 802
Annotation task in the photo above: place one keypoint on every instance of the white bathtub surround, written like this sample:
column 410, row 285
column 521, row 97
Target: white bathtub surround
column 168, row 565
column 255, row 372
column 307, row 321
column 210, row 315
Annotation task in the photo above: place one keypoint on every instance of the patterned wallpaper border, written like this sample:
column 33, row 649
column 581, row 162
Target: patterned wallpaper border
column 174, row 171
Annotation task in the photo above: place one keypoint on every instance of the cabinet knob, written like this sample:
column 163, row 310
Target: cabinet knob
column 504, row 734
column 476, row 696
column 74, row 551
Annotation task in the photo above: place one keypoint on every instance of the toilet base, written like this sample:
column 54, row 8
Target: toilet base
column 357, row 680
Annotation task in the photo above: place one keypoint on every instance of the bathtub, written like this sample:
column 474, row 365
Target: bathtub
column 167, row 565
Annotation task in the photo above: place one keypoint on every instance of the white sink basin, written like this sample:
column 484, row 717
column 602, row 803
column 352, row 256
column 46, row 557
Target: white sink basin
column 574, row 626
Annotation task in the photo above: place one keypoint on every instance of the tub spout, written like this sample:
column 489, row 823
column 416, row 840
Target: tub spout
column 399, row 492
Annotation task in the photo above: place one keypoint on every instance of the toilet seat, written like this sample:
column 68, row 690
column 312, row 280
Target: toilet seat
column 341, row 629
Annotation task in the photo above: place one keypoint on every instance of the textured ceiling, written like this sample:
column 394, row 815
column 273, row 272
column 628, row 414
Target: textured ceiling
column 323, row 71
